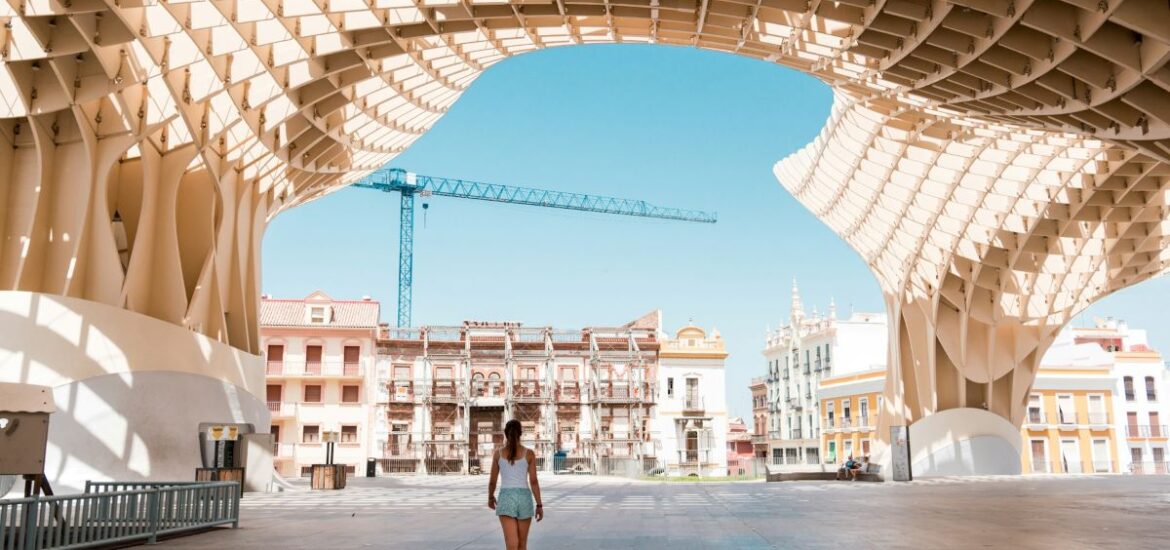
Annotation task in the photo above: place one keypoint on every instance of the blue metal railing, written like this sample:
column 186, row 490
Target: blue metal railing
column 117, row 512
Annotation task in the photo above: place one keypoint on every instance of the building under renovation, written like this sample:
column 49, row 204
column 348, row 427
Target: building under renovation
column 583, row 396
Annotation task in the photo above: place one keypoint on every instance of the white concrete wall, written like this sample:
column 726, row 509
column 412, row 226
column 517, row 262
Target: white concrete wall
column 962, row 442
column 859, row 346
column 130, row 390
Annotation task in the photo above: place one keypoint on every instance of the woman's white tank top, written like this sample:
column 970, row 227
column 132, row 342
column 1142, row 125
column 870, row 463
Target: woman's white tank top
column 514, row 475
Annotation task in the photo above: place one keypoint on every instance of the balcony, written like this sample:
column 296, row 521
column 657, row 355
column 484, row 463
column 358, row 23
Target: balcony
column 446, row 390
column 845, row 422
column 280, row 409
column 1035, row 420
column 1099, row 419
column 829, row 423
column 1066, row 420
column 759, row 439
column 694, row 404
column 487, row 388
column 313, row 369
column 282, row 451
column 1146, row 431
column 529, row 391
column 401, row 391
column 796, row 433
column 620, row 392
column 568, row 392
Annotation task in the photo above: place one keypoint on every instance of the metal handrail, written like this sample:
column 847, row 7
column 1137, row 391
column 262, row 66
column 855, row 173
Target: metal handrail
column 118, row 512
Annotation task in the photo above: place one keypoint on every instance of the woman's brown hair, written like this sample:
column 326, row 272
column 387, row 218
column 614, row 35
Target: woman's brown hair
column 512, row 447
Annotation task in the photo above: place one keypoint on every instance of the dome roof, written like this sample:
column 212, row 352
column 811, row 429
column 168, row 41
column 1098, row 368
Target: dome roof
column 690, row 331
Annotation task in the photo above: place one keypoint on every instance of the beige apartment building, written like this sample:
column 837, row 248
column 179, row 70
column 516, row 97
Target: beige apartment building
column 583, row 396
column 319, row 356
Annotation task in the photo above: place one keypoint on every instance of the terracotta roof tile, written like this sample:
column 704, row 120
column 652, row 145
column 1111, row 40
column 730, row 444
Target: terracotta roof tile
column 345, row 313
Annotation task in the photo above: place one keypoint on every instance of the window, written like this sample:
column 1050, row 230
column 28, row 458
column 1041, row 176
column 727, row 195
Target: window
column 317, row 314
column 312, row 393
column 1070, row 456
column 693, row 400
column 864, row 447
column 1151, row 393
column 1065, row 409
column 1101, row 461
column 1097, row 414
column 847, row 448
column 274, row 394
column 402, row 373
column 670, row 387
column 443, row 373
column 568, row 373
column 829, row 414
column 348, row 434
column 350, row 358
column 275, row 359
column 312, row 359
column 1039, row 455
column 1155, row 427
column 863, row 410
column 1035, row 409
column 1135, row 459
column 311, row 434
column 832, row 454
column 350, row 394
column 1129, row 395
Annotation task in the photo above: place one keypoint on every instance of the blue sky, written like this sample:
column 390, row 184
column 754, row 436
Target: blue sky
column 674, row 126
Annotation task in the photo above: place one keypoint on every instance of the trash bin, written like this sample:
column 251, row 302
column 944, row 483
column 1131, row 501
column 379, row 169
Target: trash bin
column 559, row 461
column 371, row 467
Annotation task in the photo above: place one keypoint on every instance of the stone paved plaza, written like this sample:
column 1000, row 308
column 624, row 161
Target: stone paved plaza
column 587, row 512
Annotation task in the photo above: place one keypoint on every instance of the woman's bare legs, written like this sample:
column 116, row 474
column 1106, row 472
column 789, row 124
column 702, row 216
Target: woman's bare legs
column 511, row 532
column 523, row 525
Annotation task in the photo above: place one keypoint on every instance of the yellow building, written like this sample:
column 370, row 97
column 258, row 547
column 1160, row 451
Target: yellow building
column 849, row 405
column 1069, row 424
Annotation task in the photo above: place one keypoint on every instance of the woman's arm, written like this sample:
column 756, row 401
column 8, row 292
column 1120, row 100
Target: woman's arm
column 492, row 480
column 535, row 484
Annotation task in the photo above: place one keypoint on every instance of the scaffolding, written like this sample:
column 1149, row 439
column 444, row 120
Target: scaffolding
column 449, row 391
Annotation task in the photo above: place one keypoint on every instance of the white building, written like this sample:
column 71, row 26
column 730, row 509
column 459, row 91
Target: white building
column 1141, row 401
column 320, row 355
column 691, row 415
column 802, row 353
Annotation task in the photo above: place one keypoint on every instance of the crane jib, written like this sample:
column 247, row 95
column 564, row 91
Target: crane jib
column 408, row 184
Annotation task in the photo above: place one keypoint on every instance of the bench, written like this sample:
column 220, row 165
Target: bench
column 869, row 472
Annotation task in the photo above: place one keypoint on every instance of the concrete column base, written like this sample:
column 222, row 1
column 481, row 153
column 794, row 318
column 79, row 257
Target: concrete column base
column 964, row 442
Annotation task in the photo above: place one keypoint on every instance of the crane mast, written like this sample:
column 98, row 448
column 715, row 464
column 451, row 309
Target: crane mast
column 408, row 184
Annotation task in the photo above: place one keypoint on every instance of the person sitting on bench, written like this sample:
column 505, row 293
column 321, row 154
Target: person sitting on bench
column 858, row 466
column 847, row 467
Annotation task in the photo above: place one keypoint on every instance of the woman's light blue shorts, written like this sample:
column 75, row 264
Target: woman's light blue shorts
column 515, row 502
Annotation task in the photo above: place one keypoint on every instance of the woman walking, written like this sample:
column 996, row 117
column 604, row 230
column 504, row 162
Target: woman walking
column 515, row 468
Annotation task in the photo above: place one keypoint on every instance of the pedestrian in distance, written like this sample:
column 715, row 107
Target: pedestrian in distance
column 514, row 468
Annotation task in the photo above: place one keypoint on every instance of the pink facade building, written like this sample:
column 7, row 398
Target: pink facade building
column 320, row 357
column 739, row 448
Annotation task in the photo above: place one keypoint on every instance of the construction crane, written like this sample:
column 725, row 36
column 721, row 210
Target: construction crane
column 408, row 184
